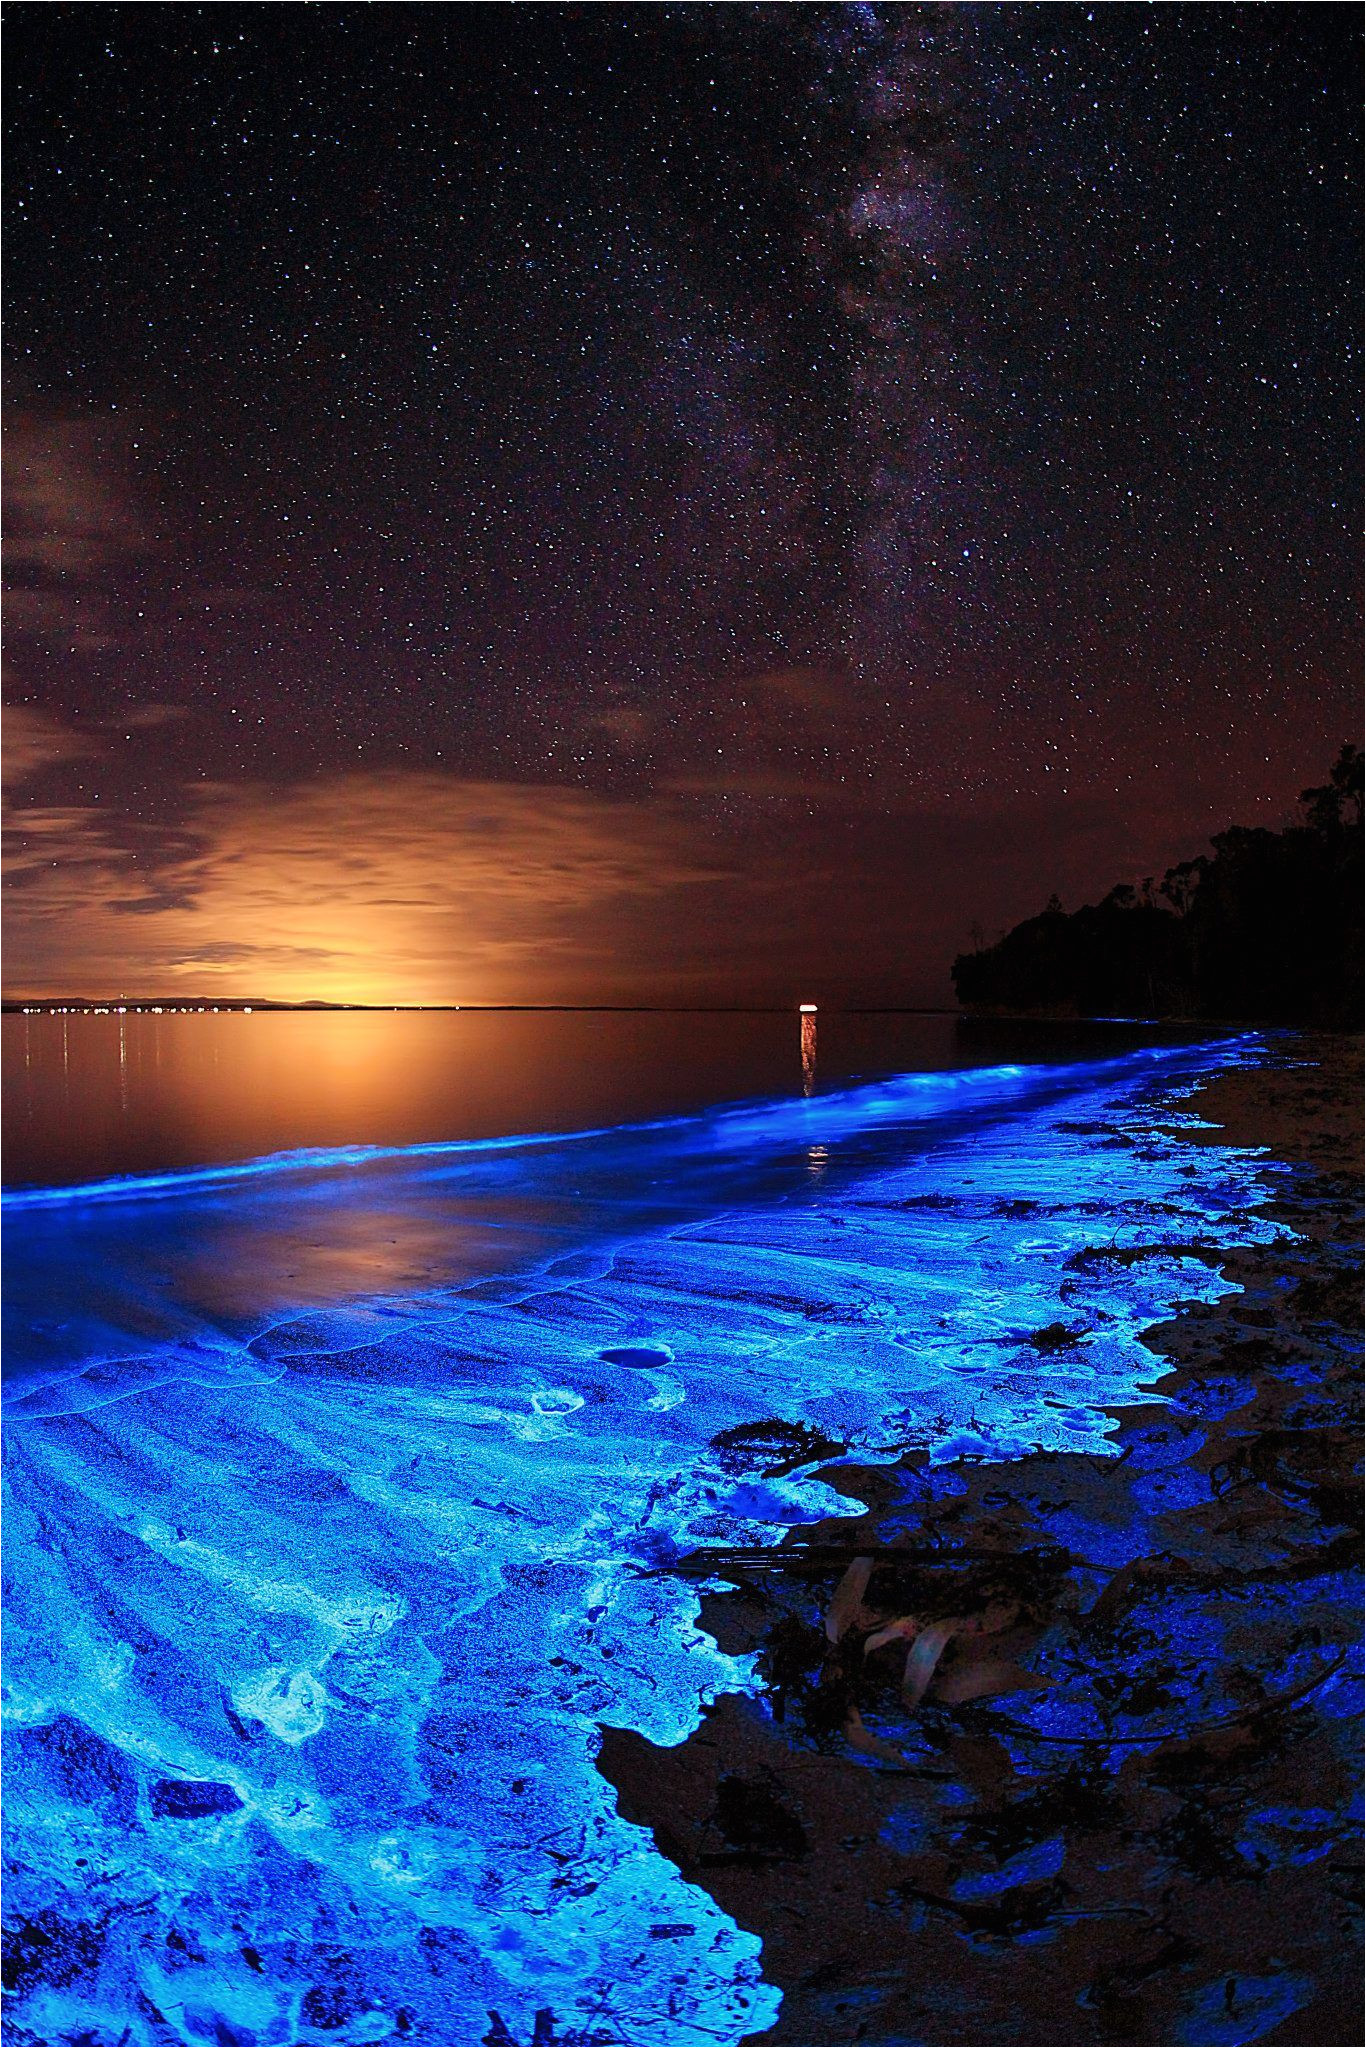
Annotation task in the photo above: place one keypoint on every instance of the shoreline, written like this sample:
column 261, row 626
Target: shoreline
column 954, row 1865
column 1187, row 1882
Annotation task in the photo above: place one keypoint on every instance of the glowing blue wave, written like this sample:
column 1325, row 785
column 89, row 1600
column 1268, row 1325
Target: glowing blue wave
column 744, row 1125
column 322, row 1585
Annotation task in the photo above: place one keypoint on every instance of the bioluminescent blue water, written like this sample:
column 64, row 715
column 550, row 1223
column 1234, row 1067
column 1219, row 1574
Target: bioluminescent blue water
column 332, row 1477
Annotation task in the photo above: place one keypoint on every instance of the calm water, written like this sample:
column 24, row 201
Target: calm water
column 344, row 1486
column 90, row 1096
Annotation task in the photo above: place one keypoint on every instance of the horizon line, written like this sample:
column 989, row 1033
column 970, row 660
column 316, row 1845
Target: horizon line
column 180, row 1006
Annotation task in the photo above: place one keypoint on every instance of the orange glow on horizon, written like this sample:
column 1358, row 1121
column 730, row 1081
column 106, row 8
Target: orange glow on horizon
column 380, row 890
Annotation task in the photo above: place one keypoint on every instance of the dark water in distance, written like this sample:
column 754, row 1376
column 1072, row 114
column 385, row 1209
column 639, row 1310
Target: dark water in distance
column 89, row 1096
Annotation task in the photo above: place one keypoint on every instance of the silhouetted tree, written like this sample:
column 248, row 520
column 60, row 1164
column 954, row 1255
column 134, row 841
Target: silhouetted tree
column 1268, row 927
column 1337, row 805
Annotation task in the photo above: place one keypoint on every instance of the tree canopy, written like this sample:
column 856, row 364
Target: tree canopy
column 1267, row 927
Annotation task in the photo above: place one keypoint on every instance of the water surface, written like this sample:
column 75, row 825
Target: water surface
column 345, row 1488
column 87, row 1096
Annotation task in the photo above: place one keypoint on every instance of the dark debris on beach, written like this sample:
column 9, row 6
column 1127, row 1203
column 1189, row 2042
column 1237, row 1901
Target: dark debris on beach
column 1067, row 1749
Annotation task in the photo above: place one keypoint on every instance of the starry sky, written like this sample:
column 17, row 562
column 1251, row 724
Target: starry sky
column 704, row 503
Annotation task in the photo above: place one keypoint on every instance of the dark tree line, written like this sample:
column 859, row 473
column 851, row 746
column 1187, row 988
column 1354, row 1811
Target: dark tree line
column 1268, row 928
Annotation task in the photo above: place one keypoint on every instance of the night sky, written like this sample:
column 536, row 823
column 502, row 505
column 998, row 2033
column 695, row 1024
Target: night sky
column 685, row 503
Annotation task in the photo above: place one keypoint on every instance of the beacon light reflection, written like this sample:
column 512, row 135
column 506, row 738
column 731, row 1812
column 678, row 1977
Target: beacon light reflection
column 807, row 1013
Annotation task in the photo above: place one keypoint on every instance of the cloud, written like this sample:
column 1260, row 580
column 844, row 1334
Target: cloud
column 72, row 525
column 80, row 536
column 227, row 954
column 34, row 742
column 386, row 887
column 66, row 510
column 78, row 619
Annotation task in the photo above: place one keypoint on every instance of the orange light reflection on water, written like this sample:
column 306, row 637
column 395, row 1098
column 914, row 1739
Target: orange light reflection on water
column 87, row 1095
column 808, row 1052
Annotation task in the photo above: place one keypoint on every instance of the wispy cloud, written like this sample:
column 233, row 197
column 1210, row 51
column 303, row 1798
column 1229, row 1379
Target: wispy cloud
column 72, row 524
column 370, row 887
column 64, row 511
column 33, row 742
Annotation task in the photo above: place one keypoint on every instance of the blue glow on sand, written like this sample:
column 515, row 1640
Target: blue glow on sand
column 330, row 1479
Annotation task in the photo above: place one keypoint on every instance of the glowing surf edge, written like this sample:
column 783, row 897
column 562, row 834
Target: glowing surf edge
column 805, row 1115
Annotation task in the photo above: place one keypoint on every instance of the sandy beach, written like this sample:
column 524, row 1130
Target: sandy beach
column 1176, row 1859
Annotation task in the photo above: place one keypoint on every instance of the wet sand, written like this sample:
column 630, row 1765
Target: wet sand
column 1176, row 1859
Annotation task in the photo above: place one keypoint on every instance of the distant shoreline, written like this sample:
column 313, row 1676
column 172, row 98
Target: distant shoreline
column 88, row 1006
column 84, row 1006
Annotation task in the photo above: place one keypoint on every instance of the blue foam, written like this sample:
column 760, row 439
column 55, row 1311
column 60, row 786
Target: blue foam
column 334, row 1481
